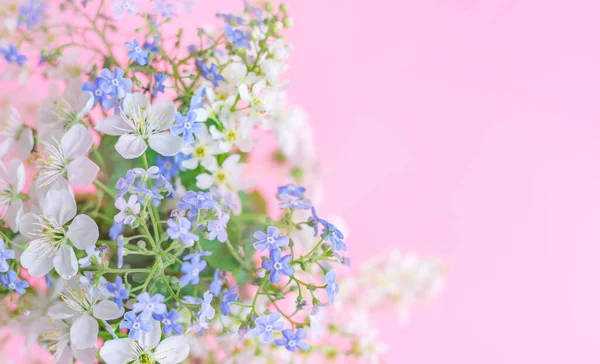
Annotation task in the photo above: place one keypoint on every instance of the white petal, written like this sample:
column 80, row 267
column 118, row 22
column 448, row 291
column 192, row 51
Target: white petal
column 149, row 340
column 5, row 146
column 84, row 332
column 82, row 171
column 65, row 262
column 16, row 174
column 133, row 101
column 165, row 109
column 83, row 232
column 231, row 162
column 28, row 225
column 38, row 266
column 191, row 163
column 76, row 141
column 172, row 350
column 85, row 356
column 107, row 310
column 166, row 143
column 210, row 163
column 65, row 356
column 201, row 114
column 130, row 146
column 117, row 351
column 25, row 143
column 204, row 181
column 13, row 215
column 60, row 311
column 113, row 125
column 60, row 205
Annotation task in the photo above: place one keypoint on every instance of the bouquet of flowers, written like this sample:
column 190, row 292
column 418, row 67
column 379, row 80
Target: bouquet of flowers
column 128, row 232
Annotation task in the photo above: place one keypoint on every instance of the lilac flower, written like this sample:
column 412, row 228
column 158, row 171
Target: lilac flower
column 291, row 196
column 198, row 99
column 207, row 312
column 265, row 325
column 152, row 47
column 99, row 95
column 196, row 201
column 135, row 324
column 164, row 9
column 333, row 235
column 137, row 53
column 125, row 183
column 11, row 55
column 4, row 255
column 32, row 13
column 115, row 230
column 232, row 19
column 11, row 282
column 186, row 126
column 113, row 83
column 149, row 305
column 159, row 84
column 167, row 166
column 118, row 291
column 228, row 298
column 332, row 287
column 292, row 341
column 270, row 240
column 128, row 210
column 316, row 220
column 217, row 283
column 181, row 231
column 120, row 250
column 169, row 322
column 218, row 228
column 163, row 185
column 278, row 265
column 211, row 73
column 192, row 269
column 291, row 190
column 238, row 37
column 122, row 7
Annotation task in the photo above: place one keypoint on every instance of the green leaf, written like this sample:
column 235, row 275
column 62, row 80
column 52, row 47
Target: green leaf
column 253, row 203
column 221, row 256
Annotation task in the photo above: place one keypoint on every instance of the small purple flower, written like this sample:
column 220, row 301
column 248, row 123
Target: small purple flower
column 118, row 291
column 217, row 283
column 265, row 325
column 32, row 14
column 218, row 228
column 196, row 201
column 128, row 210
column 334, row 236
column 11, row 282
column 120, row 249
column 291, row 196
column 278, row 265
column 167, row 167
column 163, row 185
column 198, row 99
column 270, row 240
column 99, row 95
column 228, row 298
column 186, row 126
column 192, row 269
column 137, row 53
column 159, row 84
column 11, row 55
column 292, row 341
column 135, row 325
column 113, row 83
column 164, row 9
column 232, row 19
column 122, row 7
column 211, row 73
column 169, row 322
column 237, row 37
column 332, row 287
column 115, row 230
column 149, row 305
column 125, row 183
column 292, row 190
column 4, row 255
column 206, row 309
column 181, row 231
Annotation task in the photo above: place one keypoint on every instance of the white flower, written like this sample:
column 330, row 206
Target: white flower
column 204, row 147
column 57, row 337
column 280, row 50
column 69, row 64
column 148, row 349
column 84, row 304
column 12, row 182
column 57, row 113
column 67, row 159
column 234, row 134
column 14, row 72
column 49, row 237
column 236, row 74
column 14, row 133
column 128, row 210
column 9, row 18
column 225, row 177
column 140, row 123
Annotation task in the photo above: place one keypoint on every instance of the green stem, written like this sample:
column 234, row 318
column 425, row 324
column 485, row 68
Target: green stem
column 105, row 188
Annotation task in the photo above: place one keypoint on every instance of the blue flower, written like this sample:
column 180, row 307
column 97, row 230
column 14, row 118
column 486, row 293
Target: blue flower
column 137, row 53
column 265, row 325
column 206, row 309
column 169, row 322
column 238, row 37
column 292, row 341
column 32, row 13
column 11, row 55
column 118, row 290
column 291, row 189
column 278, row 265
column 159, row 80
column 120, row 250
column 181, row 231
column 121, row 7
column 149, row 305
column 99, row 95
column 163, row 185
column 124, row 183
column 217, row 283
column 196, row 201
column 4, row 255
column 192, row 269
column 152, row 47
column 218, row 228
column 164, row 9
column 167, row 166
column 211, row 73
column 186, row 126
column 198, row 99
column 291, row 196
column 270, row 240
column 135, row 324
column 113, row 83
column 115, row 230
column 232, row 19
column 228, row 298
column 11, row 282
column 333, row 235
column 332, row 287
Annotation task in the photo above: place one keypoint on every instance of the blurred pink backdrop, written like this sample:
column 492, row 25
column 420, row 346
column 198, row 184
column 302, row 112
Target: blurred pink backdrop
column 469, row 130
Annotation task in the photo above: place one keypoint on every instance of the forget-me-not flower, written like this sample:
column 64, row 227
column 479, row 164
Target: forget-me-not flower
column 292, row 340
column 136, row 324
column 4, row 255
column 186, row 126
column 278, row 265
column 218, row 228
column 270, row 240
column 149, row 305
column 11, row 282
column 265, row 325
column 118, row 291
column 169, row 322
column 192, row 268
column 137, row 53
column 228, row 298
column 181, row 231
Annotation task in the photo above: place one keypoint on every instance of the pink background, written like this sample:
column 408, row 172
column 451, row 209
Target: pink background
column 465, row 129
